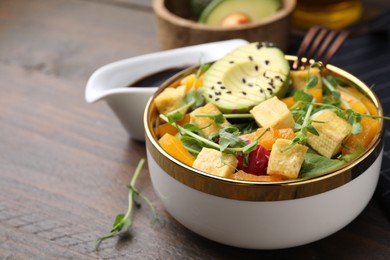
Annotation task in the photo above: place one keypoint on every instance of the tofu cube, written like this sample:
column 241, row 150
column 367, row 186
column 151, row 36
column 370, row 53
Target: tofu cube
column 332, row 131
column 209, row 128
column 170, row 99
column 286, row 162
column 273, row 113
column 299, row 77
column 214, row 162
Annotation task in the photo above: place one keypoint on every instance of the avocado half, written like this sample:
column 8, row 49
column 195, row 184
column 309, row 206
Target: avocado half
column 246, row 77
column 255, row 10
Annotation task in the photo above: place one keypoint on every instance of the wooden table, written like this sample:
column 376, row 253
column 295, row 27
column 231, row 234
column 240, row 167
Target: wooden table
column 64, row 164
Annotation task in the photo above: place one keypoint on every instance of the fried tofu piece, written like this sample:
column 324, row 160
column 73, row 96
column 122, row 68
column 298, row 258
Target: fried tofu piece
column 273, row 113
column 209, row 128
column 214, row 162
column 170, row 99
column 332, row 131
column 286, row 162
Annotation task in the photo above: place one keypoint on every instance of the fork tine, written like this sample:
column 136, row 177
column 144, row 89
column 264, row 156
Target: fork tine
column 305, row 44
column 321, row 33
column 325, row 44
column 338, row 41
column 319, row 44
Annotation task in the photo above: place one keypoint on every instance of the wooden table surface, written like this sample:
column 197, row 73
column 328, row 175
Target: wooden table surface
column 64, row 164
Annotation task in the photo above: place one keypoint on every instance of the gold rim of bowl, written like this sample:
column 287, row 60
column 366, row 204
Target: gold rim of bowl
column 262, row 191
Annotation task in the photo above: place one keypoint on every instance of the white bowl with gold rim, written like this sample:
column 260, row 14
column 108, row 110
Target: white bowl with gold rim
column 261, row 215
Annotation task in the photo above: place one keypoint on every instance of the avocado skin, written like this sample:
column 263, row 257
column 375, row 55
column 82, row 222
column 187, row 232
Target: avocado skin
column 197, row 6
column 217, row 10
column 246, row 76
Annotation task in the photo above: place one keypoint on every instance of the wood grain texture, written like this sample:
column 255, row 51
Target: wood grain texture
column 64, row 164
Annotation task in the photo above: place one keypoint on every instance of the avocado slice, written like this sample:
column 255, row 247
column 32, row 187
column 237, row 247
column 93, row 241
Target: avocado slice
column 255, row 10
column 246, row 76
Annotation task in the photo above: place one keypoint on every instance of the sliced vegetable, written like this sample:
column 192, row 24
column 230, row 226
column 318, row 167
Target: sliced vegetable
column 174, row 147
column 353, row 102
column 256, row 162
column 372, row 109
column 314, row 92
column 191, row 81
column 370, row 128
column 270, row 136
column 168, row 128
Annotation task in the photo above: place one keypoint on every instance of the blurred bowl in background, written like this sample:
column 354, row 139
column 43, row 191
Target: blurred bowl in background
column 176, row 29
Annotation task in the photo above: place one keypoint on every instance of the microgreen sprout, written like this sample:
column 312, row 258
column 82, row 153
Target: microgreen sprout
column 229, row 139
column 123, row 222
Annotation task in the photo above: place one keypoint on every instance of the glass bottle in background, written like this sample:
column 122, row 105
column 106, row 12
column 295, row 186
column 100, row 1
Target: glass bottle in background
column 335, row 14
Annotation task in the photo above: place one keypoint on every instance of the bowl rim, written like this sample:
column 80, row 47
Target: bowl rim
column 288, row 6
column 263, row 191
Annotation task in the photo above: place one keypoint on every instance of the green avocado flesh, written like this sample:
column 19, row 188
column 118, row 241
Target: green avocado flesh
column 246, row 76
column 256, row 10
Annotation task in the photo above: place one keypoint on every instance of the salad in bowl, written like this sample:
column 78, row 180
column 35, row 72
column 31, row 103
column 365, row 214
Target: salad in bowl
column 248, row 116
column 248, row 152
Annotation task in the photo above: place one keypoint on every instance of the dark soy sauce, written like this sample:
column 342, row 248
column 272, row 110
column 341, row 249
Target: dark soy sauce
column 157, row 78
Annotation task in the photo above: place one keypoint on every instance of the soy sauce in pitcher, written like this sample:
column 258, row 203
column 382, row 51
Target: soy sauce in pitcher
column 157, row 78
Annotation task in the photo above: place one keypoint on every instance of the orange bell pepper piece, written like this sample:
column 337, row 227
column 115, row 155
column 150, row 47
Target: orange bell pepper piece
column 269, row 138
column 370, row 130
column 315, row 92
column 358, row 101
column 172, row 145
column 168, row 128
column 189, row 80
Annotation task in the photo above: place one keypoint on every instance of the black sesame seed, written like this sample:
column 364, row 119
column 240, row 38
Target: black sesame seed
column 243, row 80
column 250, row 58
column 223, row 87
column 219, row 82
column 259, row 45
column 250, row 84
column 266, row 62
column 232, row 61
column 217, row 99
column 256, row 68
column 218, row 93
column 244, row 93
column 261, row 90
column 270, row 90
column 228, row 92
column 210, row 96
column 212, row 87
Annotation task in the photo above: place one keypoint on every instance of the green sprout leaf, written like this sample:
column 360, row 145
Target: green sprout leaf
column 192, row 144
column 174, row 116
column 229, row 137
column 311, row 81
column 300, row 95
column 191, row 127
column 123, row 222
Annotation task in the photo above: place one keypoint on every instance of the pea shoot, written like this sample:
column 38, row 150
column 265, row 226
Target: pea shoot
column 123, row 222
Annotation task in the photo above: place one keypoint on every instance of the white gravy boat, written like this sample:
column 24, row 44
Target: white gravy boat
column 111, row 82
